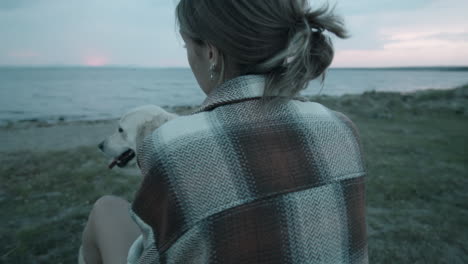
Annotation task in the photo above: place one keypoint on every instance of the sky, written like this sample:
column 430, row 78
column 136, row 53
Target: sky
column 142, row 33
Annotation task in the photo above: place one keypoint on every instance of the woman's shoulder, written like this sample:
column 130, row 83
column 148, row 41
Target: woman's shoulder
column 170, row 138
column 186, row 129
column 314, row 110
column 311, row 108
column 184, row 126
column 177, row 132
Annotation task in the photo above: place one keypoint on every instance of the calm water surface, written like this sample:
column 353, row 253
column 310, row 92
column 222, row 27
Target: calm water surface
column 102, row 93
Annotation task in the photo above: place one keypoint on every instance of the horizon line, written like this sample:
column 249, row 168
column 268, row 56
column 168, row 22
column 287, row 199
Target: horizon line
column 460, row 67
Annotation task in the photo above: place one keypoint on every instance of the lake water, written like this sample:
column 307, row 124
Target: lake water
column 103, row 93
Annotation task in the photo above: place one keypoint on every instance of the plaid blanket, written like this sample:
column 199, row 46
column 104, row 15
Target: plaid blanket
column 236, row 182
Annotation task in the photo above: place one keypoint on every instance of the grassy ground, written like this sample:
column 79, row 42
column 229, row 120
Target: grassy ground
column 417, row 189
column 45, row 201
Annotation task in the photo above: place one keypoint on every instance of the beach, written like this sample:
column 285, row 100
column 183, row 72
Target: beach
column 415, row 147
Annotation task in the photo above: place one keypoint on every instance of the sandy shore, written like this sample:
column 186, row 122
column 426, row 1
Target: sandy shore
column 61, row 136
column 42, row 136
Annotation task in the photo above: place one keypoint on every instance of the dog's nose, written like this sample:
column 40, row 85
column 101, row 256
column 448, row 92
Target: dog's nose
column 101, row 145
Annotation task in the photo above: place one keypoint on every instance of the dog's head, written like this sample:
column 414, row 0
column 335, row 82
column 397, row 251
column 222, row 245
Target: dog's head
column 133, row 127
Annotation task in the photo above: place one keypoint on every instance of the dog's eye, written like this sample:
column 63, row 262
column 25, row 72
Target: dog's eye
column 120, row 130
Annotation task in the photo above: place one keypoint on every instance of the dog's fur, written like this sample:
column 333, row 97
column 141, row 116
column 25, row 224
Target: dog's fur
column 134, row 126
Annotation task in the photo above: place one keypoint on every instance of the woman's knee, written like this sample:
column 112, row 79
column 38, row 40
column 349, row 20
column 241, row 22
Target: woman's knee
column 109, row 225
column 108, row 203
column 90, row 235
column 104, row 208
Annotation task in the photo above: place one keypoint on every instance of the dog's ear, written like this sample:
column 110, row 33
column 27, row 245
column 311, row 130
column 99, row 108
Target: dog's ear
column 143, row 130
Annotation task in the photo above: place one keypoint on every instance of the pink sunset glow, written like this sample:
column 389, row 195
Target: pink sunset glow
column 93, row 33
column 96, row 61
column 409, row 48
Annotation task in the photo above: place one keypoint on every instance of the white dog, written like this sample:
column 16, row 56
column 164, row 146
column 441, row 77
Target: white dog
column 134, row 126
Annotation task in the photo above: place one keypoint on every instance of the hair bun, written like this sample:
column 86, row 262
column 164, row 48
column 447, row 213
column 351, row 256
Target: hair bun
column 304, row 24
column 251, row 37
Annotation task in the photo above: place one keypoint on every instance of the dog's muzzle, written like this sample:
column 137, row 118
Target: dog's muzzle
column 123, row 159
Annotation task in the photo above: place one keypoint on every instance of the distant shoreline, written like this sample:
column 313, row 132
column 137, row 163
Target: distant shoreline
column 55, row 95
column 430, row 68
column 126, row 67
column 58, row 120
column 445, row 98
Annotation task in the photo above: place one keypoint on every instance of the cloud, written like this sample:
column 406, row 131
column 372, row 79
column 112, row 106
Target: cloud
column 403, row 38
column 124, row 32
column 410, row 49
column 449, row 34
column 433, row 34
column 67, row 32
column 366, row 7
column 450, row 55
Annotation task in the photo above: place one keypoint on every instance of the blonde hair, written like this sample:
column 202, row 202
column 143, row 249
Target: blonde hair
column 283, row 39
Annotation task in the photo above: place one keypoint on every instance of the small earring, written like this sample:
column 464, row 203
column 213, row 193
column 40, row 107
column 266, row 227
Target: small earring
column 212, row 68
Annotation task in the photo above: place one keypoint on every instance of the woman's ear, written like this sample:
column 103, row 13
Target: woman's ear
column 213, row 54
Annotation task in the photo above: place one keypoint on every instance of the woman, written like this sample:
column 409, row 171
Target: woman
column 256, row 175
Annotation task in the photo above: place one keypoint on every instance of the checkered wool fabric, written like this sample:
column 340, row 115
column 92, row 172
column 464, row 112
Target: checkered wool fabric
column 236, row 182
